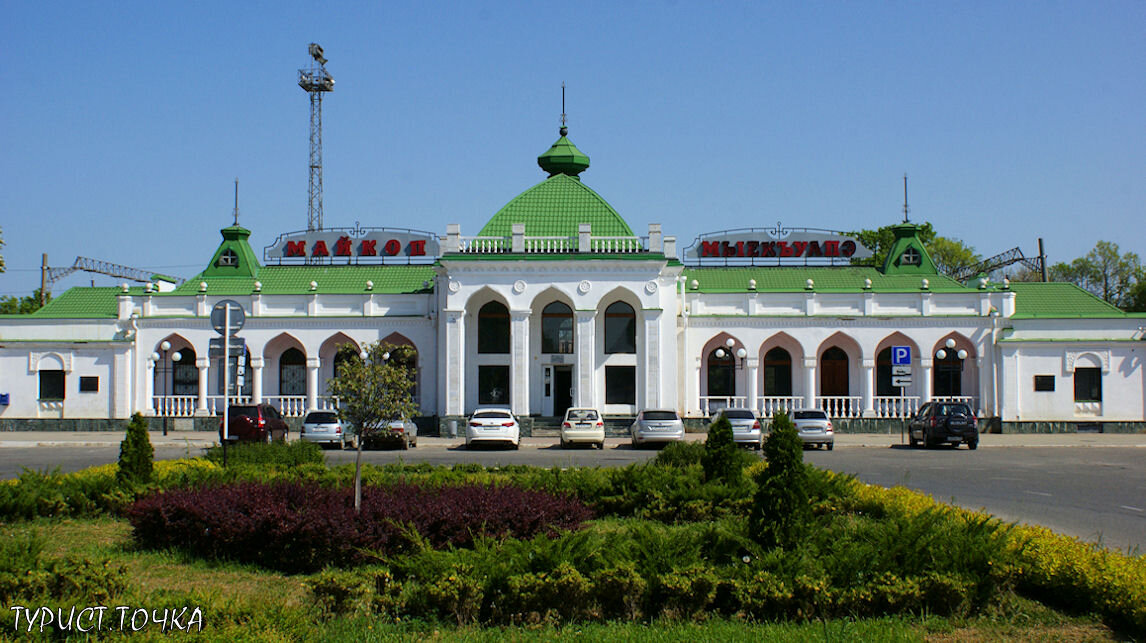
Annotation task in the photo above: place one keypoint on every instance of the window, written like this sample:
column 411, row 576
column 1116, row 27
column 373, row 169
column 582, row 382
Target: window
column 778, row 373
column 493, row 384
column 620, row 328
column 721, row 373
column 948, row 380
column 292, row 372
column 556, row 328
column 620, row 385
column 228, row 258
column 89, row 384
column 1087, row 384
column 1044, row 383
column 911, row 257
column 493, row 328
column 186, row 374
column 883, row 387
column 51, row 385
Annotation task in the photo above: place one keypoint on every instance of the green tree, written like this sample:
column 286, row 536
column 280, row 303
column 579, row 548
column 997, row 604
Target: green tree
column 372, row 393
column 951, row 255
column 1137, row 299
column 781, row 509
column 1104, row 272
column 22, row 305
column 720, row 459
column 135, row 454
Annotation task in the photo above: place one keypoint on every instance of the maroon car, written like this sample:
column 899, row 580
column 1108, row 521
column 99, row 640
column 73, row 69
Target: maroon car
column 254, row 423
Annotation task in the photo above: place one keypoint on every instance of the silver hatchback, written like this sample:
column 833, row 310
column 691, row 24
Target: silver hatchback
column 746, row 427
column 324, row 427
column 657, row 425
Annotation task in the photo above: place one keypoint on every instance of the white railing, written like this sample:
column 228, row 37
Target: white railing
column 771, row 405
column 715, row 403
column 483, row 245
column 841, row 406
column 543, row 245
column 174, row 406
column 896, row 406
column 616, row 244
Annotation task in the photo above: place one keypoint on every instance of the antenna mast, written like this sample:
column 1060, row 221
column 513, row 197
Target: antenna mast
column 316, row 81
column 905, row 198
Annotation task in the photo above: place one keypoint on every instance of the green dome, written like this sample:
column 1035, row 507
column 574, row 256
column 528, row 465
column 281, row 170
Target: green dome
column 554, row 208
column 563, row 157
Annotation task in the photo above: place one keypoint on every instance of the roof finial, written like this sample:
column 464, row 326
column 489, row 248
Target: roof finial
column 905, row 198
column 236, row 200
column 564, row 130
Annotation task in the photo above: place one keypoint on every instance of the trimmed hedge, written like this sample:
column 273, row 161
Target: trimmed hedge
column 303, row 528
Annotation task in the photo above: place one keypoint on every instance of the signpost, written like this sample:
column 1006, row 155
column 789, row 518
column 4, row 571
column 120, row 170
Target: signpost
column 901, row 374
column 227, row 318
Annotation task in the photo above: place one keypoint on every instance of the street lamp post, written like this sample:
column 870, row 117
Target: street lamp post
column 166, row 367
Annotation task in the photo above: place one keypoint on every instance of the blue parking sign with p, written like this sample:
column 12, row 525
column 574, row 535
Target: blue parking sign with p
column 900, row 355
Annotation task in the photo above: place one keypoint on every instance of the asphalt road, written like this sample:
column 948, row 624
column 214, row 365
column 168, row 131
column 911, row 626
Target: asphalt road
column 1097, row 494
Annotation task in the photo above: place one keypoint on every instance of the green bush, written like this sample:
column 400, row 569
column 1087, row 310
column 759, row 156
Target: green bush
column 135, row 454
column 285, row 455
column 72, row 577
column 722, row 459
column 561, row 594
column 680, row 454
column 780, row 508
column 685, row 593
column 340, row 592
column 620, row 591
column 455, row 596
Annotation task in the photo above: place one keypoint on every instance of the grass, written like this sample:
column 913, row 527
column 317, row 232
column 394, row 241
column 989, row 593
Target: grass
column 244, row 603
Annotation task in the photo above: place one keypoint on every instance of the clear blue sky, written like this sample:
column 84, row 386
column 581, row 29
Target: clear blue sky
column 127, row 122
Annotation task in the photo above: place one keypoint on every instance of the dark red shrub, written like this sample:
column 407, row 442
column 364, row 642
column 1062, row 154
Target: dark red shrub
column 298, row 528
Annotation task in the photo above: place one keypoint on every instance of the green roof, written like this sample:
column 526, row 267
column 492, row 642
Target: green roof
column 825, row 278
column 554, row 208
column 83, row 303
column 1056, row 300
column 293, row 280
column 563, row 157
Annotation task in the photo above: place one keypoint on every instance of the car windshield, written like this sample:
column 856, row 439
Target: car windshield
column 810, row 415
column 660, row 415
column 492, row 414
column 245, row 411
column 739, row 414
column 321, row 418
column 581, row 414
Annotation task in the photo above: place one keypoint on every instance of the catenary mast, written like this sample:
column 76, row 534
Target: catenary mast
column 316, row 81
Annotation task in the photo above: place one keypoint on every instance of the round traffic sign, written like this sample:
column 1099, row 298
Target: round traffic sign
column 227, row 317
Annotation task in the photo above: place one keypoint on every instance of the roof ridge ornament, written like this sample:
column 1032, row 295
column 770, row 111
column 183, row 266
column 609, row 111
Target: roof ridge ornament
column 564, row 123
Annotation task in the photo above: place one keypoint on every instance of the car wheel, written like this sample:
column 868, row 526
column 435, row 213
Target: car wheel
column 517, row 445
column 912, row 441
column 601, row 445
column 831, row 445
column 974, row 444
column 270, row 438
column 564, row 444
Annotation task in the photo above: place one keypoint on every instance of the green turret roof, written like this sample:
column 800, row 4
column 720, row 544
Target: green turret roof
column 907, row 255
column 563, row 157
column 234, row 257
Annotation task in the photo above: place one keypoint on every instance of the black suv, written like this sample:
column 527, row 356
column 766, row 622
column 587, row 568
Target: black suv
column 944, row 423
column 253, row 423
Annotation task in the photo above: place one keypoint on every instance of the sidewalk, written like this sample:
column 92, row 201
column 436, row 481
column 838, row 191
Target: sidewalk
column 202, row 439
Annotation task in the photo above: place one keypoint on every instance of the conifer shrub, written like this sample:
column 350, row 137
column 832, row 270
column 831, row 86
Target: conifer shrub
column 135, row 454
column 679, row 454
column 721, row 459
column 781, row 510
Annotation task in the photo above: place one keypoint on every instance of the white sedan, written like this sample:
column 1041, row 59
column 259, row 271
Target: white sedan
column 493, row 425
column 583, row 426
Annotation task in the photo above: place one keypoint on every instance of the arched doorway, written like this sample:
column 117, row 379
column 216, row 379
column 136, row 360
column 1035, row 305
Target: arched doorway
column 292, row 372
column 721, row 373
column 493, row 338
column 777, row 373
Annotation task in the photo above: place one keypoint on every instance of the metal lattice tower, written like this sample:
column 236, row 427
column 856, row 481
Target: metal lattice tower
column 316, row 81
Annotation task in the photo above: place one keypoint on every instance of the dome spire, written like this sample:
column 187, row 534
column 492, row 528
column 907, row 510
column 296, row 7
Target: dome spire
column 563, row 157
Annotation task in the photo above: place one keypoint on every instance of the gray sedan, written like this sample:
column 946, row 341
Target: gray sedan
column 657, row 425
column 746, row 427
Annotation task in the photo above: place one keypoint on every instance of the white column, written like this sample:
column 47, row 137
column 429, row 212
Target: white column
column 984, row 385
column 312, row 364
column 257, row 379
column 202, row 363
column 751, row 370
column 810, row 382
column 867, row 386
column 925, row 380
column 652, row 359
column 149, row 389
column 584, row 389
column 455, row 363
column 519, row 361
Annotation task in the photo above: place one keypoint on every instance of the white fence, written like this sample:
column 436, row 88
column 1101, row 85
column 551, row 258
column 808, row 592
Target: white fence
column 185, row 406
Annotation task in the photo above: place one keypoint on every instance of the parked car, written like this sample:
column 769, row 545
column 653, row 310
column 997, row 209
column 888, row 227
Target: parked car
column 493, row 425
column 254, row 423
column 583, row 426
column 324, row 428
column 656, row 425
column 746, row 428
column 815, row 428
column 399, row 433
column 944, row 423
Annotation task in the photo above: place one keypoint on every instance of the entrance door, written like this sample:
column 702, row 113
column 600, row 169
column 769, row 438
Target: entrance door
column 562, row 389
column 834, row 372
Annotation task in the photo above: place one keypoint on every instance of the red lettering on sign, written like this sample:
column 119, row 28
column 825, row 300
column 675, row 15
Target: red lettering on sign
column 417, row 247
column 710, row 248
column 739, row 248
column 753, row 248
column 342, row 247
column 784, row 249
column 367, row 249
column 319, row 249
column 848, row 248
column 296, row 249
column 768, row 249
column 392, row 247
column 798, row 248
column 831, row 248
column 814, row 249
